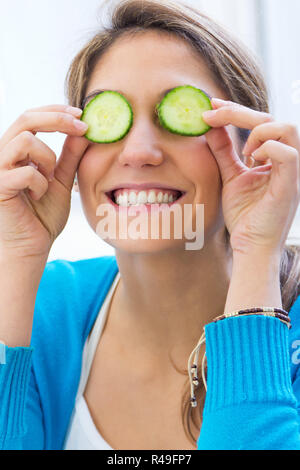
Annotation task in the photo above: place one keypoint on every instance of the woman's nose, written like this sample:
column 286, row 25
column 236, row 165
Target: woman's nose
column 141, row 147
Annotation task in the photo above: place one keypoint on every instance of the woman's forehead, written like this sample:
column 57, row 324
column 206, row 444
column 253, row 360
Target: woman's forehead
column 132, row 66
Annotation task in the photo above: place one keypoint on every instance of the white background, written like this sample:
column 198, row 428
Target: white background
column 38, row 39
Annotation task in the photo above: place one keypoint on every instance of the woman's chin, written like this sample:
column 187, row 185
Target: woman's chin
column 141, row 246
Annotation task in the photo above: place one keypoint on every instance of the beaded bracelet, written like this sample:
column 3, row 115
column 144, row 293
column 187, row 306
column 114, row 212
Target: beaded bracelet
column 267, row 313
column 276, row 312
column 281, row 314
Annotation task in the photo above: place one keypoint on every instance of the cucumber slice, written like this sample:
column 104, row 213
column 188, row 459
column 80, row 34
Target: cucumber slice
column 180, row 111
column 109, row 117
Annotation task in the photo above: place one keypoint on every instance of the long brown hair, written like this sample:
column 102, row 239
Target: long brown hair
column 236, row 70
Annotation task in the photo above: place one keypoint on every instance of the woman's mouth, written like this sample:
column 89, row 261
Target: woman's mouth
column 126, row 197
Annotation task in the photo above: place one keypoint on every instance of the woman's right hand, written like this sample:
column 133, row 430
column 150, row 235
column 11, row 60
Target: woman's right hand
column 34, row 210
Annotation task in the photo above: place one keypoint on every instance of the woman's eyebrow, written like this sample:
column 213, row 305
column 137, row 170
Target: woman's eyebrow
column 96, row 92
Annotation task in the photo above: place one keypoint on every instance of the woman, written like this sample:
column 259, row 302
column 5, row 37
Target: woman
column 102, row 363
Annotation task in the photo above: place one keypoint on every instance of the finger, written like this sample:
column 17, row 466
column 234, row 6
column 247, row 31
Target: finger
column 221, row 146
column 18, row 179
column 285, row 166
column 27, row 148
column 284, row 133
column 44, row 122
column 218, row 103
column 76, row 112
column 68, row 162
column 264, row 168
column 236, row 115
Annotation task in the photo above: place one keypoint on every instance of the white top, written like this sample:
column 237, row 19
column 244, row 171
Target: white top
column 82, row 433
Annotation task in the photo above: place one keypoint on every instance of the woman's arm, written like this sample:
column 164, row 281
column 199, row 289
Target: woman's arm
column 250, row 402
column 19, row 280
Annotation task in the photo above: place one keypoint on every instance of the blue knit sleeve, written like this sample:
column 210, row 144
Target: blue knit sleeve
column 252, row 400
column 38, row 384
column 19, row 400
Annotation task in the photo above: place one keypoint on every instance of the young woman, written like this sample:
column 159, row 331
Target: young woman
column 98, row 352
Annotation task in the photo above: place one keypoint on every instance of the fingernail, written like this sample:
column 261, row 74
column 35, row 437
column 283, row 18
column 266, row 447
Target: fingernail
column 249, row 161
column 218, row 100
column 80, row 125
column 74, row 111
column 209, row 114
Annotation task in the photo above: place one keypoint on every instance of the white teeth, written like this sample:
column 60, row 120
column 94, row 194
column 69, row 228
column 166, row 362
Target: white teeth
column 151, row 197
column 123, row 200
column 160, row 197
column 132, row 198
column 142, row 197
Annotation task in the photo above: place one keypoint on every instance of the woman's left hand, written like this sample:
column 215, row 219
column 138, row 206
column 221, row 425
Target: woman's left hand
column 260, row 203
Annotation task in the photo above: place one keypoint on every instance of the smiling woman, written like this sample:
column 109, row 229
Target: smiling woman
column 235, row 76
column 124, row 331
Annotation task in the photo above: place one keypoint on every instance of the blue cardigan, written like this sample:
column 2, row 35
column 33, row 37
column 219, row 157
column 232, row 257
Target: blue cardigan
column 253, row 386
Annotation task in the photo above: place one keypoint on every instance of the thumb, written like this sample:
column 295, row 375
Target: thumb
column 222, row 147
column 73, row 150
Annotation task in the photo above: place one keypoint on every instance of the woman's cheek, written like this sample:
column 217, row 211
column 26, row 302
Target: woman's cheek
column 201, row 169
column 91, row 171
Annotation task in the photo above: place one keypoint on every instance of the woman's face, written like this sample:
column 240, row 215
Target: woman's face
column 142, row 68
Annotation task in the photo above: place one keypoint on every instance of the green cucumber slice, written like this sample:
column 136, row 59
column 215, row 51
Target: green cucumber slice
column 109, row 117
column 180, row 111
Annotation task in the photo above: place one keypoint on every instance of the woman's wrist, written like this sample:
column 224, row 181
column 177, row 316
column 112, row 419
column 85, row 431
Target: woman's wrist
column 19, row 281
column 255, row 281
column 259, row 257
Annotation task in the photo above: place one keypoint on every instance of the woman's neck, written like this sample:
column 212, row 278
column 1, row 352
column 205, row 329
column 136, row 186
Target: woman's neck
column 163, row 301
